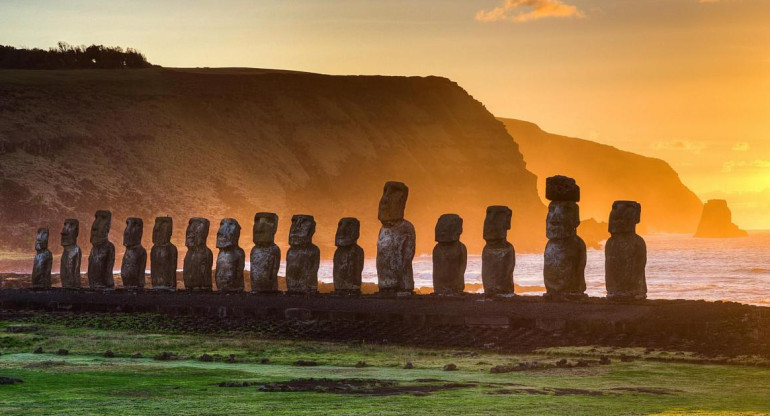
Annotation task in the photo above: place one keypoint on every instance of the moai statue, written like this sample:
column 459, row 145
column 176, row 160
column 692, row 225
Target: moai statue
column 303, row 257
column 348, row 258
column 70, row 258
column 41, row 269
column 498, row 258
column 135, row 258
column 231, row 258
column 625, row 253
column 164, row 255
column 565, row 253
column 199, row 258
column 102, row 258
column 266, row 255
column 449, row 256
column 396, row 242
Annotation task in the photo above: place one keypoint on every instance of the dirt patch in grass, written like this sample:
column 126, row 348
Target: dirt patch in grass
column 47, row 364
column 647, row 390
column 370, row 387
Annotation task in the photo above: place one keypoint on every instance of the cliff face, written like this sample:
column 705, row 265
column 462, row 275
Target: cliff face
column 716, row 221
column 606, row 174
column 217, row 143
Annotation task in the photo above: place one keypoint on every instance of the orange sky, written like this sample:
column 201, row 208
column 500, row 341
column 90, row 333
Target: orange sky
column 684, row 80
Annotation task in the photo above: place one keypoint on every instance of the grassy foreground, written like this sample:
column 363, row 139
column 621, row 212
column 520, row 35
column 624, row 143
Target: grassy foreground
column 85, row 382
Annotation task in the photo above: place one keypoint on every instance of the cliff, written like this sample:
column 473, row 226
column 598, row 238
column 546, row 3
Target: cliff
column 716, row 221
column 606, row 174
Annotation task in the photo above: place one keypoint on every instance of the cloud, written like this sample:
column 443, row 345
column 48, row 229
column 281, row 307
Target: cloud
column 741, row 147
column 685, row 145
column 758, row 164
column 520, row 11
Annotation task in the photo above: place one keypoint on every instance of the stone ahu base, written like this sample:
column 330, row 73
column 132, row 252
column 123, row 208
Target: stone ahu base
column 523, row 323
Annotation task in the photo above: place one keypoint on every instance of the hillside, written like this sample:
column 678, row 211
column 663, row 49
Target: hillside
column 606, row 174
column 229, row 143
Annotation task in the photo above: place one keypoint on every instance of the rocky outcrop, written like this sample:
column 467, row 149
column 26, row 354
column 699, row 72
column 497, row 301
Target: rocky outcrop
column 716, row 221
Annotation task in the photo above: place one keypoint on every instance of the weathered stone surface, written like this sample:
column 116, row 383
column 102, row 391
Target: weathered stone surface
column 625, row 253
column 716, row 221
column 101, row 260
column 565, row 253
column 348, row 258
column 450, row 257
column 135, row 257
column 231, row 258
column 396, row 242
column 498, row 258
column 303, row 257
column 71, row 256
column 266, row 255
column 41, row 269
column 561, row 188
column 199, row 258
column 163, row 256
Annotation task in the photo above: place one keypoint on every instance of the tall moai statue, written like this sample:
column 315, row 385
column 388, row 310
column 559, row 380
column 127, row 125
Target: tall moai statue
column 625, row 253
column 101, row 261
column 163, row 256
column 266, row 255
column 565, row 253
column 231, row 258
column 348, row 258
column 71, row 256
column 498, row 259
column 303, row 257
column 135, row 257
column 450, row 257
column 199, row 258
column 41, row 269
column 396, row 242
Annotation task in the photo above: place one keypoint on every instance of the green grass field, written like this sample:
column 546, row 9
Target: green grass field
column 84, row 382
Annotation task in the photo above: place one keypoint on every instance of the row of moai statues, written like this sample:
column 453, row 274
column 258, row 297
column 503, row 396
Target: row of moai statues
column 563, row 272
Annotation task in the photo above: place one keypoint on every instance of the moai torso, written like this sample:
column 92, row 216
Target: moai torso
column 199, row 258
column 101, row 260
column 625, row 253
column 41, row 269
column 565, row 254
column 450, row 257
column 231, row 258
column 266, row 255
column 164, row 255
column 135, row 257
column 498, row 259
column 303, row 258
column 71, row 256
column 396, row 241
column 348, row 258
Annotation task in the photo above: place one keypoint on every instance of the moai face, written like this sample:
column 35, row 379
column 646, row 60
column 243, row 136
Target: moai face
column 41, row 241
column 561, row 188
column 448, row 228
column 265, row 226
column 100, row 229
column 497, row 223
column 70, row 231
column 563, row 220
column 348, row 230
column 229, row 233
column 624, row 216
column 132, row 236
column 161, row 232
column 393, row 203
column 302, row 230
column 197, row 232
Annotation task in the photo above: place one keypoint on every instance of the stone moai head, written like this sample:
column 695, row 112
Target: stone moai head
column 265, row 226
column 624, row 217
column 70, row 231
column 197, row 232
column 302, row 230
column 41, row 241
column 497, row 223
column 563, row 220
column 100, row 230
column 132, row 236
column 561, row 188
column 448, row 228
column 393, row 203
column 229, row 233
column 348, row 230
column 161, row 232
